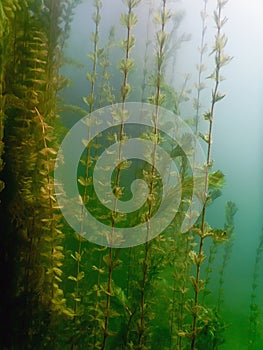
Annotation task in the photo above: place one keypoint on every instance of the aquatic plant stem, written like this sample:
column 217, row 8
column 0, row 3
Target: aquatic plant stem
column 254, row 331
column 90, row 100
column 96, row 307
column 129, row 21
column 98, row 6
column 105, row 93
column 146, row 54
column 229, row 227
column 108, row 295
column 203, row 216
column 220, row 60
column 203, row 47
column 161, row 36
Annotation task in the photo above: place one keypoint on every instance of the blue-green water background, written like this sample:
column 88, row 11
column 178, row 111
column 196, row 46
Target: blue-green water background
column 237, row 137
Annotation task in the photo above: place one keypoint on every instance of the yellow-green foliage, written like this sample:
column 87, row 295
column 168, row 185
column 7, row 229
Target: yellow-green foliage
column 30, row 60
column 68, row 293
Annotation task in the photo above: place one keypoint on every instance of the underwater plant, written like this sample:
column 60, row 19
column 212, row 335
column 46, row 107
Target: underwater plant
column 29, row 212
column 255, row 321
column 68, row 293
column 128, row 21
column 83, row 311
column 6, row 250
column 146, row 58
column 106, row 92
column 157, row 99
column 204, row 231
column 200, row 86
column 229, row 227
column 3, row 58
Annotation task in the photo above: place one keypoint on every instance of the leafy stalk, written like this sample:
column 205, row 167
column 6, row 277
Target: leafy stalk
column 146, row 54
column 230, row 210
column 4, row 27
column 201, row 68
column 105, row 89
column 254, row 315
column 128, row 21
column 157, row 100
column 90, row 102
column 33, row 217
column 220, row 60
column 92, row 77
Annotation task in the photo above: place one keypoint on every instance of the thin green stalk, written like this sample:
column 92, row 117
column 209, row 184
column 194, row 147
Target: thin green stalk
column 229, row 228
column 96, row 306
column 157, row 100
column 146, row 53
column 106, row 94
column 94, row 57
column 220, row 60
column 90, row 101
column 108, row 296
column 54, row 12
column 201, row 68
column 128, row 20
column 254, row 330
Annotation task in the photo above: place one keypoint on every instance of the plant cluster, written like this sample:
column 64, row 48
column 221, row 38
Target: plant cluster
column 33, row 34
column 65, row 292
column 255, row 314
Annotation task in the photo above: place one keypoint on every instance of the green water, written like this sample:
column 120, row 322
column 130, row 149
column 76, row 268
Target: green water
column 198, row 288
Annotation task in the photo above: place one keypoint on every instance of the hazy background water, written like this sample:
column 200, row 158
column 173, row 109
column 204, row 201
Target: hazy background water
column 237, row 150
column 237, row 139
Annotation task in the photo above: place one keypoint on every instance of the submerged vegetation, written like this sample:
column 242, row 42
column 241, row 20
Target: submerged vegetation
column 255, row 321
column 62, row 291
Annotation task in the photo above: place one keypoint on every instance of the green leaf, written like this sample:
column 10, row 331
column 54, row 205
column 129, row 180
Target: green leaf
column 219, row 235
column 107, row 260
column 125, row 90
column 80, row 275
column 76, row 257
column 58, row 279
column 89, row 100
column 197, row 259
column 128, row 20
column 48, row 151
column 126, row 65
column 104, row 290
column 161, row 38
column 208, row 116
column 90, row 77
column 92, row 56
column 116, row 263
column 84, row 181
column 126, row 164
column 213, row 195
column 133, row 3
column 204, row 137
column 216, row 180
column 57, row 271
column 219, row 97
column 124, row 18
column 100, row 270
column 72, row 278
column 193, row 256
